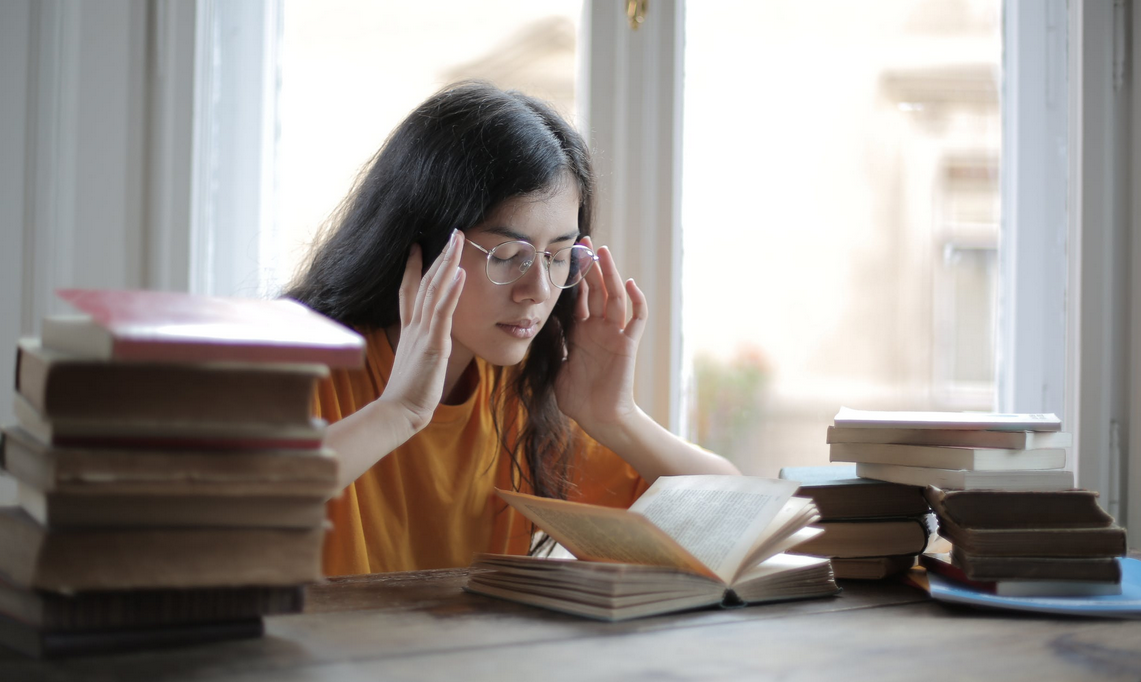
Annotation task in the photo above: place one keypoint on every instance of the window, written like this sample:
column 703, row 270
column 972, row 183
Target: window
column 840, row 217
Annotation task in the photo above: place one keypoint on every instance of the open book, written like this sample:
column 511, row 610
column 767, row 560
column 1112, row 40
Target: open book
column 688, row 542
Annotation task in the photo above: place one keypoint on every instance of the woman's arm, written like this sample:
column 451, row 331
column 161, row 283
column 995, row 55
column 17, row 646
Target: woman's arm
column 416, row 384
column 596, row 384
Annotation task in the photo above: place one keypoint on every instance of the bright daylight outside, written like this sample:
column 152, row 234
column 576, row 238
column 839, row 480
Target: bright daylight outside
column 840, row 186
column 840, row 216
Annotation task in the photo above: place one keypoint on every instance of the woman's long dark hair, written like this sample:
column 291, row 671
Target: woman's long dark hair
column 452, row 161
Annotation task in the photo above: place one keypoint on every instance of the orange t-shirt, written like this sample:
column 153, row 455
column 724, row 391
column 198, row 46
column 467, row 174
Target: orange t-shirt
column 431, row 503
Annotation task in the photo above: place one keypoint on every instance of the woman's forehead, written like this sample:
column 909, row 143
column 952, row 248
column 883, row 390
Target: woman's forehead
column 537, row 218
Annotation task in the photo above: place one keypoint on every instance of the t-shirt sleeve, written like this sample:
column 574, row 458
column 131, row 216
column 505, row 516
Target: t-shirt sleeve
column 599, row 476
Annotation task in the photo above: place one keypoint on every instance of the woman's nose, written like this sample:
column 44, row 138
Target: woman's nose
column 535, row 284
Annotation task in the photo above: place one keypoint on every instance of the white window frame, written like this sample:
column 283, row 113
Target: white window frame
column 632, row 118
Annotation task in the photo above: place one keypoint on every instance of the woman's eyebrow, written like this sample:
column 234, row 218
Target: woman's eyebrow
column 519, row 236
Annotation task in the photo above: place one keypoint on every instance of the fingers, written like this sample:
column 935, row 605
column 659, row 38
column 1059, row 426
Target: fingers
column 581, row 311
column 410, row 285
column 615, row 292
column 441, row 324
column 596, row 288
column 438, row 278
column 637, row 323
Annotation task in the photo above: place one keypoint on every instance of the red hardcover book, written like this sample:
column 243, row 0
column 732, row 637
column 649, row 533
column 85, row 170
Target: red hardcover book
column 164, row 326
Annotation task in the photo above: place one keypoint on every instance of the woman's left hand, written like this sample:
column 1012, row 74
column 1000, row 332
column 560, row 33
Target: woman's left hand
column 596, row 385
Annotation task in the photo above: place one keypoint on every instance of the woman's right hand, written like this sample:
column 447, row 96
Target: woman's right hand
column 426, row 307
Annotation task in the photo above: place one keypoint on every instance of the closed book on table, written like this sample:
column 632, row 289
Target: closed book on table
column 867, row 538
column 29, row 641
column 275, row 473
column 964, row 438
column 95, row 509
column 984, row 421
column 961, row 479
column 60, row 386
column 129, row 432
column 1055, row 542
column 940, row 457
column 36, row 557
column 839, row 494
column 871, row 568
column 120, row 609
column 167, row 326
column 1019, row 509
column 942, row 564
column 1100, row 569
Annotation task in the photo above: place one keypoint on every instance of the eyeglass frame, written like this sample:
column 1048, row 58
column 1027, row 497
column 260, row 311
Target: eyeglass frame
column 548, row 256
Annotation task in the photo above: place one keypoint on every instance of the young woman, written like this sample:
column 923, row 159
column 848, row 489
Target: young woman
column 507, row 363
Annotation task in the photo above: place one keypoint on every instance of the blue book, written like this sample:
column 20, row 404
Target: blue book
column 1124, row 605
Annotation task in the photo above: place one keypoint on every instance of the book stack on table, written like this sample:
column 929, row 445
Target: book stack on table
column 1028, row 543
column 872, row 529
column 954, row 450
column 171, row 481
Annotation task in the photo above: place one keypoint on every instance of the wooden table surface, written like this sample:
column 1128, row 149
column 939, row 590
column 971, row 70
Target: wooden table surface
column 421, row 626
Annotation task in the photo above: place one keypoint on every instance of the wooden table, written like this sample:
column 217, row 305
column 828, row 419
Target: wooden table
column 420, row 626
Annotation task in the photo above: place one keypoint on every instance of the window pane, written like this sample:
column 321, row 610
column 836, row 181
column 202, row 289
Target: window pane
column 840, row 216
column 352, row 69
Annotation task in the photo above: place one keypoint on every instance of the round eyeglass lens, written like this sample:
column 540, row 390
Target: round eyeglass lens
column 570, row 265
column 509, row 261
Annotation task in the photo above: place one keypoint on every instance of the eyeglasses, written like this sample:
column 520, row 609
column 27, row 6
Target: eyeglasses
column 509, row 261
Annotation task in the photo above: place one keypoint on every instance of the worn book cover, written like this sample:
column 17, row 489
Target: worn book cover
column 839, row 493
column 1019, row 509
column 61, row 386
column 180, row 472
column 70, row 560
column 166, row 326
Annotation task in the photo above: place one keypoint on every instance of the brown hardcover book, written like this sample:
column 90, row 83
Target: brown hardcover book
column 839, row 494
column 300, row 473
column 63, row 387
column 97, row 510
column 1099, row 569
column 29, row 641
column 942, row 564
column 134, row 433
column 119, row 609
column 65, row 560
column 1019, row 509
column 871, row 568
column 867, row 538
column 1054, row 542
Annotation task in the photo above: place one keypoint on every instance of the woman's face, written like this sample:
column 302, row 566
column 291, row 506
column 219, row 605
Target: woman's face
column 497, row 321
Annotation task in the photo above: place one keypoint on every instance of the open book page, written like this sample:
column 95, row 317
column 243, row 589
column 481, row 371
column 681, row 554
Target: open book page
column 718, row 519
column 596, row 533
column 785, row 531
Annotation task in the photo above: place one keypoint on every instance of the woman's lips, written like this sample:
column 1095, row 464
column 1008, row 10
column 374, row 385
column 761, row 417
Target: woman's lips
column 520, row 329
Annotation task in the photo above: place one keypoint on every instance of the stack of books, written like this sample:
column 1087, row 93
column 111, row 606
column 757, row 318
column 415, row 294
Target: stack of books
column 171, row 480
column 954, row 450
column 1032, row 544
column 872, row 529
